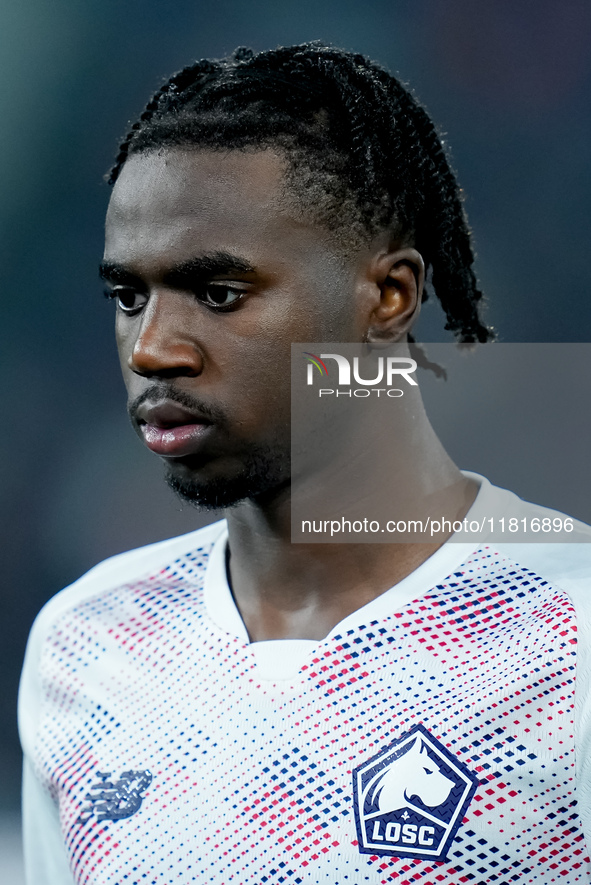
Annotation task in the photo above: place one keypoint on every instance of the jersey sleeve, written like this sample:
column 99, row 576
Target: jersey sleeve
column 46, row 860
column 568, row 567
column 44, row 852
column 45, row 856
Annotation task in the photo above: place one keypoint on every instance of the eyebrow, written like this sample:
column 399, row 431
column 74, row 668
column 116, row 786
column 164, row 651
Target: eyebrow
column 186, row 274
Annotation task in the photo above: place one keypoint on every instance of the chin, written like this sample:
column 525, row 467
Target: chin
column 265, row 475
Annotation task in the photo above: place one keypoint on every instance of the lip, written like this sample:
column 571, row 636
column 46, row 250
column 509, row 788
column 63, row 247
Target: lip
column 175, row 442
column 171, row 430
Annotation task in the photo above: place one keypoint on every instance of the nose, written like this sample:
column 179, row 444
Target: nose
column 164, row 345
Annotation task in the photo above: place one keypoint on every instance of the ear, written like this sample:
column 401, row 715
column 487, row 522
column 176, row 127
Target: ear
column 416, row 747
column 397, row 279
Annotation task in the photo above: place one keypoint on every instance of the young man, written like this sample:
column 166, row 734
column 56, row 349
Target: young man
column 231, row 707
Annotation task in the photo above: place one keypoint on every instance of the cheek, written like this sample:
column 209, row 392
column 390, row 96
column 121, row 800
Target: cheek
column 319, row 311
column 328, row 312
column 252, row 379
column 124, row 340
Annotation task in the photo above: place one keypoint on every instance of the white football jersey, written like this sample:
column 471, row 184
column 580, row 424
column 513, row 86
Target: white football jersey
column 435, row 736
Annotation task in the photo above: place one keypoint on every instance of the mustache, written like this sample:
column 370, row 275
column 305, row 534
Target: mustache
column 159, row 392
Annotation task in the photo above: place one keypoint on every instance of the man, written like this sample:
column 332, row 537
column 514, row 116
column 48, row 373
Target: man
column 231, row 707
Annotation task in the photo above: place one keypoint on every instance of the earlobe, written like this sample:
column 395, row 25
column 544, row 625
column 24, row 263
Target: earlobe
column 399, row 277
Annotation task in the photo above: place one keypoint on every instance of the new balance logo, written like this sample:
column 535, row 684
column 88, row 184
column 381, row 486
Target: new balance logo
column 410, row 799
column 116, row 799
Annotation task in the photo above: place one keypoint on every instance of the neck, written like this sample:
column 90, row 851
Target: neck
column 287, row 590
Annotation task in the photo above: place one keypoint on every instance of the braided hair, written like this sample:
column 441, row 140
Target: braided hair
column 363, row 155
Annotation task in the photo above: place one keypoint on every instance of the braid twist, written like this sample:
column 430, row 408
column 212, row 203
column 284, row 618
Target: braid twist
column 372, row 154
column 174, row 87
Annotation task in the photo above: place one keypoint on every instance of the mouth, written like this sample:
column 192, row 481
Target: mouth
column 171, row 430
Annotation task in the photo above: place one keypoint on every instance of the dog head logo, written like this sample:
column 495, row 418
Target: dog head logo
column 413, row 774
column 410, row 799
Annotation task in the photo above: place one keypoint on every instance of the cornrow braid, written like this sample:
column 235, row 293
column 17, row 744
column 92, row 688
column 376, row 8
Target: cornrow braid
column 188, row 77
column 363, row 154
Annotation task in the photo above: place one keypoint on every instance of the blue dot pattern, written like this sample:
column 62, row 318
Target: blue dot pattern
column 251, row 780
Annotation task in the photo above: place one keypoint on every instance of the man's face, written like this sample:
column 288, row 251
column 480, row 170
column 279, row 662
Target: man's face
column 214, row 278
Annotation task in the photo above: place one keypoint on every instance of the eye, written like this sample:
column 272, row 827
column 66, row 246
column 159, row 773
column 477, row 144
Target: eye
column 129, row 300
column 220, row 296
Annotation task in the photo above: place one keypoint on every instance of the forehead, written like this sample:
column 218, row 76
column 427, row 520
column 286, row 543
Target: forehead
column 176, row 199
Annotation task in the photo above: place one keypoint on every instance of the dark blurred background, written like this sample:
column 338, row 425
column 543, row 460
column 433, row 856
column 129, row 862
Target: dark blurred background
column 507, row 81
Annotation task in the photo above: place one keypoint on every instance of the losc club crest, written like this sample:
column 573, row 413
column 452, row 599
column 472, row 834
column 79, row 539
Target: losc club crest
column 410, row 799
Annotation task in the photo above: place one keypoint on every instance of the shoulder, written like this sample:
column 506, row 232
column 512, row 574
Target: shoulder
column 554, row 546
column 126, row 567
column 559, row 560
column 566, row 565
column 114, row 572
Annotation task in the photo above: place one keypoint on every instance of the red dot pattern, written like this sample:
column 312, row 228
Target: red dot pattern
column 252, row 779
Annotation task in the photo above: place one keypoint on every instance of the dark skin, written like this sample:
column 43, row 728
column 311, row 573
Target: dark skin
column 225, row 340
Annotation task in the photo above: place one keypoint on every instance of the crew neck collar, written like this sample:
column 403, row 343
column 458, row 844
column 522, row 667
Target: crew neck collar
column 222, row 608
